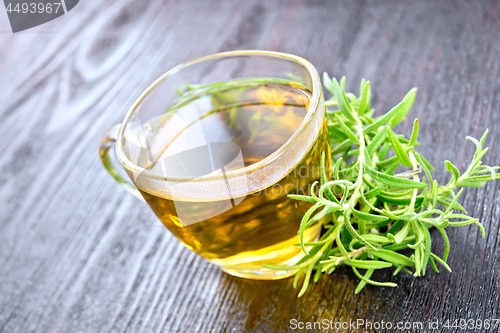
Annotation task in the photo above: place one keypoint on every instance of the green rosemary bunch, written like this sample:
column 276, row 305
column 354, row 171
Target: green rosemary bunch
column 372, row 213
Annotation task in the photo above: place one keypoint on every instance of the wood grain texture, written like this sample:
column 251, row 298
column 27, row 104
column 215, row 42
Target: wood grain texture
column 77, row 254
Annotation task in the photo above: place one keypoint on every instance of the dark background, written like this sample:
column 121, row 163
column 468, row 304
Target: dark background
column 78, row 254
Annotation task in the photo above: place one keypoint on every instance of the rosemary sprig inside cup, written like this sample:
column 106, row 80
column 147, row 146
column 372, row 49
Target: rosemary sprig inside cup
column 372, row 213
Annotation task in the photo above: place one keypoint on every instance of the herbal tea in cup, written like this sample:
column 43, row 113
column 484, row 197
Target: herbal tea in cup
column 214, row 147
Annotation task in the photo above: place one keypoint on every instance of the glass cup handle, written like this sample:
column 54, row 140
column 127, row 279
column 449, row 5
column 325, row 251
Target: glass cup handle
column 108, row 141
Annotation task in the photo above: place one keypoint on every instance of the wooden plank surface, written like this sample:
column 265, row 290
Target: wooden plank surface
column 77, row 254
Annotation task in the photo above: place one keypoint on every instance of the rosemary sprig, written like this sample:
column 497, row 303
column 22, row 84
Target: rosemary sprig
column 374, row 214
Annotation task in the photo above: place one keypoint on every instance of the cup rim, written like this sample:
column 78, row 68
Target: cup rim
column 311, row 111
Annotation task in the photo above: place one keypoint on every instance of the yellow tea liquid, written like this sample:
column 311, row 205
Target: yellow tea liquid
column 238, row 231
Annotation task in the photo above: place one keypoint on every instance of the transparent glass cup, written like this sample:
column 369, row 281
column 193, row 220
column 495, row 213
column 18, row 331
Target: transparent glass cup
column 199, row 179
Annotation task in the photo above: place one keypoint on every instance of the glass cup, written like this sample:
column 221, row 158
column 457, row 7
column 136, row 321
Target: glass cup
column 215, row 145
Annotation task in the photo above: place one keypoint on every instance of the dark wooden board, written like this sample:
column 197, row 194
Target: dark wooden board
column 77, row 254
